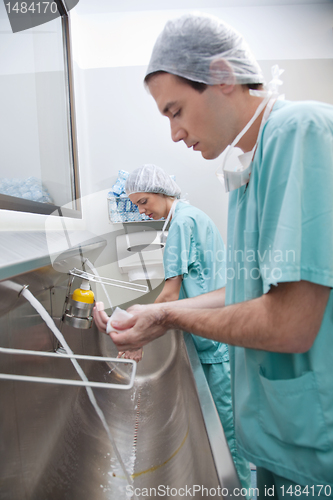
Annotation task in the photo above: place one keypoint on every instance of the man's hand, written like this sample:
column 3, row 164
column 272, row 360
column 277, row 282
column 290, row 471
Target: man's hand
column 134, row 332
column 145, row 325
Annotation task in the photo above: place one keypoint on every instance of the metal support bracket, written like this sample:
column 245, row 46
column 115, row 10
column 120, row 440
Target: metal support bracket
column 48, row 380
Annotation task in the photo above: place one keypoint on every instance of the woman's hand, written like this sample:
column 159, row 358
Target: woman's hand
column 136, row 355
column 100, row 317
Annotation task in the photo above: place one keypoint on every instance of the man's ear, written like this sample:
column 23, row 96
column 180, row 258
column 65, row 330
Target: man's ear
column 221, row 71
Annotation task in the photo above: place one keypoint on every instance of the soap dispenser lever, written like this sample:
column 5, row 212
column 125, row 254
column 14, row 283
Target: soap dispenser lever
column 79, row 305
column 108, row 281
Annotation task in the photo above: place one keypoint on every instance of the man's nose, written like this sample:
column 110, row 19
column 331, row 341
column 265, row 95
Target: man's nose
column 177, row 133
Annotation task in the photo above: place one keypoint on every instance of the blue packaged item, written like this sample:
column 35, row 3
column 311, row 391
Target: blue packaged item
column 121, row 205
column 122, row 175
column 129, row 205
column 119, row 187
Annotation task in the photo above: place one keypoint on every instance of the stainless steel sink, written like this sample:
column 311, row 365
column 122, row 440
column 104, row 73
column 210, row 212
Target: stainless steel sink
column 53, row 445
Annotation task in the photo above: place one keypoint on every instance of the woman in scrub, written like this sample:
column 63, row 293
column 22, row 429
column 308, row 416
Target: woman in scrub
column 194, row 263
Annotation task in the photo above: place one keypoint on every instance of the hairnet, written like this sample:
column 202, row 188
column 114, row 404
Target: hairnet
column 191, row 46
column 151, row 179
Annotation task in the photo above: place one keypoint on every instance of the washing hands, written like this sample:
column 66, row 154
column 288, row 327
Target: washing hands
column 120, row 315
column 105, row 324
column 142, row 324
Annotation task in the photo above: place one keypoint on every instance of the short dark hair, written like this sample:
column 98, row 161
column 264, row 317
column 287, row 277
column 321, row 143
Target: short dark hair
column 199, row 86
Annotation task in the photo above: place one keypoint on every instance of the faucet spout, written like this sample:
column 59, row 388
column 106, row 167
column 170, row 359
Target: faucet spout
column 11, row 292
column 15, row 287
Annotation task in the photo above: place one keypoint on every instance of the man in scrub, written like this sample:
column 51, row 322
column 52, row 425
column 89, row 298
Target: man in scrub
column 276, row 311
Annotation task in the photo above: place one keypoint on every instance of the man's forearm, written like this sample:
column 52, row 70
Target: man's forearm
column 287, row 319
column 210, row 300
column 231, row 325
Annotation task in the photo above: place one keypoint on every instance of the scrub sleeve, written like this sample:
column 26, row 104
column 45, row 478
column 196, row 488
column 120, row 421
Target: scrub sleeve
column 195, row 251
column 280, row 230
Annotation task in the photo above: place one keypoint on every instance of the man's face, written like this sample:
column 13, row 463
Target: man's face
column 204, row 121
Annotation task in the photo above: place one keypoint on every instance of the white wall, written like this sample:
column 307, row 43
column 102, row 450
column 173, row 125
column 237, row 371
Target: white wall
column 118, row 123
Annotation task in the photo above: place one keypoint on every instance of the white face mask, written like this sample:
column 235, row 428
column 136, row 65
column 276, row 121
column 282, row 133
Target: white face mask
column 235, row 170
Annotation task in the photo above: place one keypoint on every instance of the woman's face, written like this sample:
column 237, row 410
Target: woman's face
column 154, row 205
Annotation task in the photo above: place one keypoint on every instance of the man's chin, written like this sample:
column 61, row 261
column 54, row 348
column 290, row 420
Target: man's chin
column 208, row 155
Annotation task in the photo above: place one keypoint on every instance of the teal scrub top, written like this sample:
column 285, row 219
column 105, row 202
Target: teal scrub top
column 280, row 229
column 195, row 251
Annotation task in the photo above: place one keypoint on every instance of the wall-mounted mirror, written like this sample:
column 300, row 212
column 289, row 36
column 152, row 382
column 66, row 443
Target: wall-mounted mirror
column 38, row 163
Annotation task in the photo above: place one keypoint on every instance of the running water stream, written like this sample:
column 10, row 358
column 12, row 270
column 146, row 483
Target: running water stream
column 137, row 417
column 50, row 323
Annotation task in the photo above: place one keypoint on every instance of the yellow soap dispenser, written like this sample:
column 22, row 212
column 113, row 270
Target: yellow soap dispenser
column 79, row 307
column 84, row 293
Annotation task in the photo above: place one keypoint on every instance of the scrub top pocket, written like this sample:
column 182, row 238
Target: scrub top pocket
column 300, row 397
